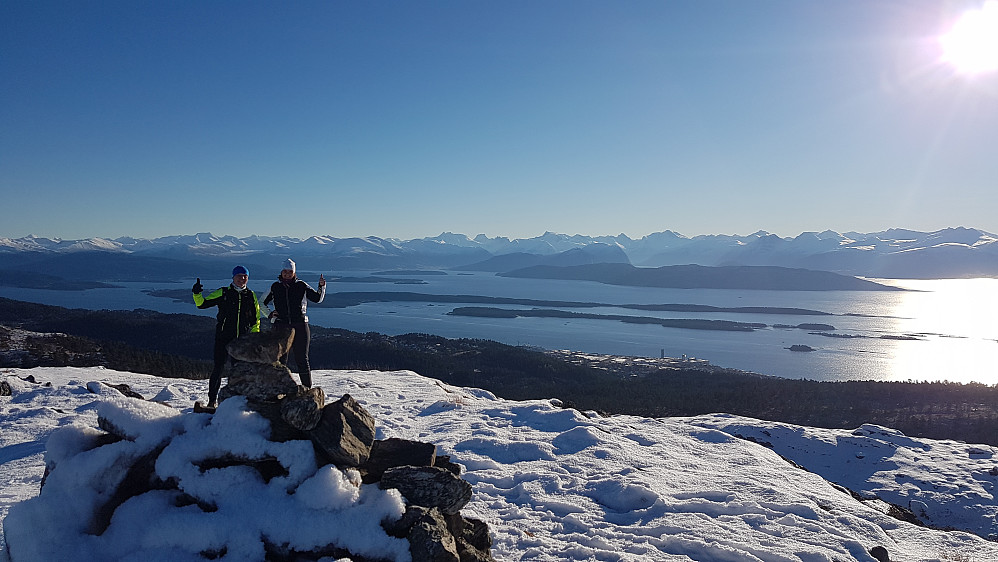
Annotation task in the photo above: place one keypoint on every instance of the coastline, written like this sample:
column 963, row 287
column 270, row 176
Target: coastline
column 626, row 366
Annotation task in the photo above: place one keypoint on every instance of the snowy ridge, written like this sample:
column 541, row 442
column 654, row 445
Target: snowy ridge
column 807, row 243
column 950, row 252
column 557, row 484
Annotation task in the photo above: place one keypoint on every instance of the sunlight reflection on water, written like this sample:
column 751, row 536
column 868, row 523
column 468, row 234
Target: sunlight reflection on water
column 959, row 317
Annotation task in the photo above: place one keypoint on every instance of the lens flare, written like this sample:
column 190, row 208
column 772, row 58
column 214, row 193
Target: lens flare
column 971, row 46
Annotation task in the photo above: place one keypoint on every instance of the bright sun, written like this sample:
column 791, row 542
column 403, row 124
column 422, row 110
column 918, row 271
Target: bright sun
column 971, row 46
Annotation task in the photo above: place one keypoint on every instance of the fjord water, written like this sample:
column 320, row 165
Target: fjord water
column 936, row 330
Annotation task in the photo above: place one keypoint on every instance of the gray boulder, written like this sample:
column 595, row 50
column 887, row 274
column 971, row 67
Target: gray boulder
column 434, row 536
column 443, row 461
column 280, row 429
column 303, row 411
column 262, row 347
column 120, row 433
column 393, row 452
column 429, row 486
column 345, row 433
column 124, row 389
column 259, row 381
column 474, row 543
column 269, row 386
column 880, row 553
column 430, row 540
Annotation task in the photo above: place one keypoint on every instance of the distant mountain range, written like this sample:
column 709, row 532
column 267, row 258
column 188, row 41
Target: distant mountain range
column 895, row 253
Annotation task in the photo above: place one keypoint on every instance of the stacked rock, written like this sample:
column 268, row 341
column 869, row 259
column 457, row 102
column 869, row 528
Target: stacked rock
column 342, row 433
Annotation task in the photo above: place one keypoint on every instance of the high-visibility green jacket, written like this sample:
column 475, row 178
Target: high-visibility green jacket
column 238, row 311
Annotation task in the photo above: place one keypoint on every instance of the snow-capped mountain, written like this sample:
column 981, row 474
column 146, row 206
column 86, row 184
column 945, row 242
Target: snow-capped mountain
column 38, row 244
column 901, row 253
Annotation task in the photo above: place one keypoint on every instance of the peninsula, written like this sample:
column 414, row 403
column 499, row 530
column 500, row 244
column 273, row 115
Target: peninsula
column 770, row 278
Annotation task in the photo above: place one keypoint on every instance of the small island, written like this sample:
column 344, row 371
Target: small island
column 687, row 323
column 818, row 327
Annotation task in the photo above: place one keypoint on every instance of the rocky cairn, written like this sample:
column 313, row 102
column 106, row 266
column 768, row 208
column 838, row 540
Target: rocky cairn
column 342, row 434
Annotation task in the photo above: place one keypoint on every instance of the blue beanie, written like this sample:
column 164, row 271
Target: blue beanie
column 240, row 270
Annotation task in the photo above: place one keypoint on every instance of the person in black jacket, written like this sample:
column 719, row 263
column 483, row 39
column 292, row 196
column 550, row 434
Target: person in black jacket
column 238, row 314
column 290, row 297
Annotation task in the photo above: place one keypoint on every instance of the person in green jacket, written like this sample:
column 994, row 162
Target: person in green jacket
column 238, row 314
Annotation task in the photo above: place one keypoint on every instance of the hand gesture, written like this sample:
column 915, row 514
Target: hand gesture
column 322, row 281
column 197, row 288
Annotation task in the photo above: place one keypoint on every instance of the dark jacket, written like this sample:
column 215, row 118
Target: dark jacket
column 238, row 311
column 290, row 300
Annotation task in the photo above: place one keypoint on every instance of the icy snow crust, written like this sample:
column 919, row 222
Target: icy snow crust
column 946, row 484
column 552, row 484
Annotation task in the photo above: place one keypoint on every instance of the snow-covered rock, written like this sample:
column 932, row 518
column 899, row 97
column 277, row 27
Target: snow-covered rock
column 557, row 484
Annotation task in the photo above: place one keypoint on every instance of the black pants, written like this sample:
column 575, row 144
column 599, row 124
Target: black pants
column 221, row 357
column 299, row 346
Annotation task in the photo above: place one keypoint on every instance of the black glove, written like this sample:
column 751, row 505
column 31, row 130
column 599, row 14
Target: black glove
column 197, row 288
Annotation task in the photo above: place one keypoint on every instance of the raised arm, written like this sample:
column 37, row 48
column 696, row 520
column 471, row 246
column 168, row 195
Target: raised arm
column 205, row 302
column 316, row 296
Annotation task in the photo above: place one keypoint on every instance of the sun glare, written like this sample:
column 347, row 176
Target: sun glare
column 971, row 46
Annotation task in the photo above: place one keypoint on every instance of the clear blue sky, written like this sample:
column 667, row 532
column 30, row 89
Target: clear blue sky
column 407, row 119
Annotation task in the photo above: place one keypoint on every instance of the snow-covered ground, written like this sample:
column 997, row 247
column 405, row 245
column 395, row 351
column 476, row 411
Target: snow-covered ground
column 556, row 484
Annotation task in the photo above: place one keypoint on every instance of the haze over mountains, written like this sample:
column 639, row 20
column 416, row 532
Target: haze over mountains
column 895, row 253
